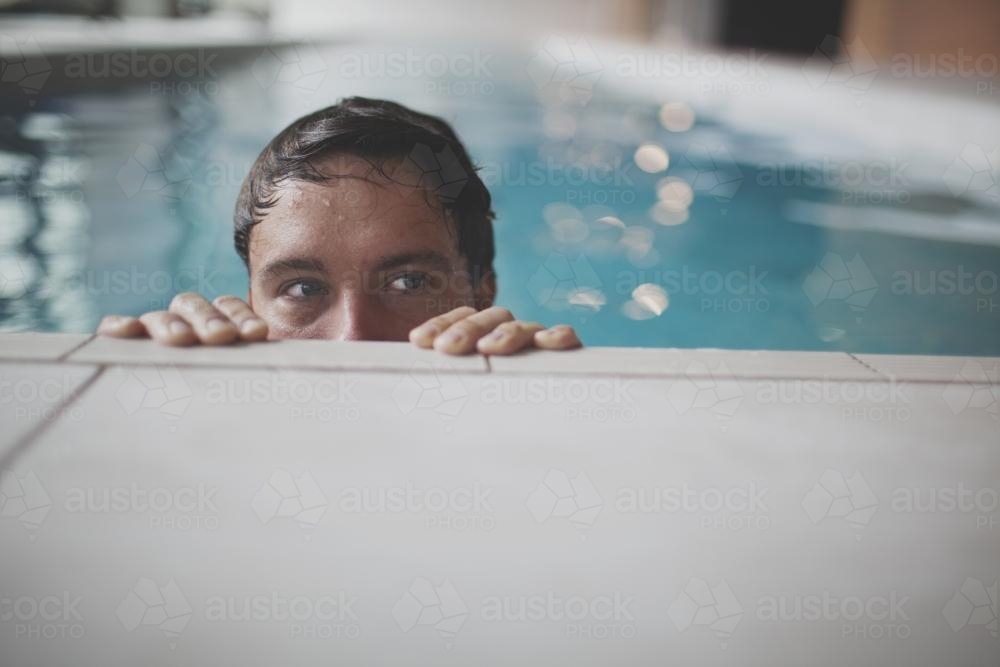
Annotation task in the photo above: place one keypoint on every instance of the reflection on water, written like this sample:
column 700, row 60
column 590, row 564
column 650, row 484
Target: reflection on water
column 641, row 222
column 44, row 236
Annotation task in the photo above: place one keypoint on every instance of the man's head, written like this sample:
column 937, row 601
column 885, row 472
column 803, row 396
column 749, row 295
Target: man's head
column 362, row 220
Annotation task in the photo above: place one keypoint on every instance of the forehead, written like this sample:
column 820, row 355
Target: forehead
column 356, row 213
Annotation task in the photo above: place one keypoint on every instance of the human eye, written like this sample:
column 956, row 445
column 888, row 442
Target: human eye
column 409, row 282
column 304, row 289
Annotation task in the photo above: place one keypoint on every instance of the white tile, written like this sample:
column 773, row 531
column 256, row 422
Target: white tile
column 774, row 364
column 525, row 440
column 38, row 346
column 287, row 353
column 694, row 363
column 935, row 369
column 595, row 360
column 32, row 395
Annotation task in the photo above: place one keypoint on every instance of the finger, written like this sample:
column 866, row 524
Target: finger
column 168, row 329
column 509, row 337
column 461, row 337
column 251, row 326
column 212, row 327
column 559, row 337
column 121, row 326
column 424, row 335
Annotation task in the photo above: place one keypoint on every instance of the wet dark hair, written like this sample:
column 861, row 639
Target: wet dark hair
column 376, row 130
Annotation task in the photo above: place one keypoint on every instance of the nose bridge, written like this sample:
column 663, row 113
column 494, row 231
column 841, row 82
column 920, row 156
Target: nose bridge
column 355, row 321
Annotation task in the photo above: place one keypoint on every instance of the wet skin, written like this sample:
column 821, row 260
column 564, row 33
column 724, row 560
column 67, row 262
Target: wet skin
column 357, row 257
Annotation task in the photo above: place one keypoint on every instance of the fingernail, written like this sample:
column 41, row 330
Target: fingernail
column 423, row 332
column 217, row 325
column 452, row 338
column 496, row 336
column 251, row 326
column 179, row 328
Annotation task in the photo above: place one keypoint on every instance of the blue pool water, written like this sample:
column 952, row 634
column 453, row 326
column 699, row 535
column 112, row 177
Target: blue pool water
column 740, row 242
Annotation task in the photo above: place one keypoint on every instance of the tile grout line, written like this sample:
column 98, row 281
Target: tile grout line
column 877, row 377
column 488, row 370
column 253, row 366
column 868, row 366
column 76, row 348
column 23, row 443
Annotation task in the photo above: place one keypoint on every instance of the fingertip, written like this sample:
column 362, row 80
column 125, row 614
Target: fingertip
column 422, row 337
column 497, row 342
column 217, row 331
column 559, row 337
column 567, row 335
column 487, row 346
column 177, row 333
column 120, row 326
column 443, row 346
column 453, row 342
column 253, row 330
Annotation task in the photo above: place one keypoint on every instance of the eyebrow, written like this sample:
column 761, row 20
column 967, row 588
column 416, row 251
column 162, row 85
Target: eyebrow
column 280, row 266
column 417, row 257
column 315, row 265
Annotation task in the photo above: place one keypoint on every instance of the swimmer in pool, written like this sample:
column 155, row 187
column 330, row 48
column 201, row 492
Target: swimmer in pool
column 362, row 221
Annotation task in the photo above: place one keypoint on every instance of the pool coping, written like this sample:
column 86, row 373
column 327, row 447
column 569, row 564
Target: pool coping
column 91, row 350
